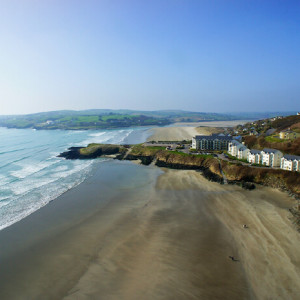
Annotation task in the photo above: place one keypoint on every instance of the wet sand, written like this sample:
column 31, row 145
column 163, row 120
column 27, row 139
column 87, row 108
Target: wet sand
column 136, row 232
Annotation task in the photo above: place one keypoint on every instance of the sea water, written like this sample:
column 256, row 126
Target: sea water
column 31, row 174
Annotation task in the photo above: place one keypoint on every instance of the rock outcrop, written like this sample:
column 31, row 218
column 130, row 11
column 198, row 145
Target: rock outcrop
column 245, row 176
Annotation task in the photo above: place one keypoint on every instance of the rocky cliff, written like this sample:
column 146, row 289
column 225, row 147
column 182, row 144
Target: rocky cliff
column 92, row 151
column 209, row 165
column 276, row 178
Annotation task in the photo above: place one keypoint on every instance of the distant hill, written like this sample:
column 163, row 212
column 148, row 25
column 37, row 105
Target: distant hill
column 108, row 118
column 292, row 122
column 105, row 118
column 261, row 115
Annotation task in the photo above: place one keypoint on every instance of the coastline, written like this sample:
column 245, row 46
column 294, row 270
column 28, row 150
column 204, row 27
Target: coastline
column 141, row 232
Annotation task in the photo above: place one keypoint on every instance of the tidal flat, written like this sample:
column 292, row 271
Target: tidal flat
column 140, row 232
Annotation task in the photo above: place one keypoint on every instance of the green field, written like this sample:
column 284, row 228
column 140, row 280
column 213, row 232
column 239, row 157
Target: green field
column 273, row 139
column 79, row 122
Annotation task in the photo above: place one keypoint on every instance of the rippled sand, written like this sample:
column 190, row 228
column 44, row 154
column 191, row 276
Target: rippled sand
column 154, row 235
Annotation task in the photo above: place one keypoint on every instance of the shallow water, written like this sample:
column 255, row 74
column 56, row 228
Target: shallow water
column 31, row 174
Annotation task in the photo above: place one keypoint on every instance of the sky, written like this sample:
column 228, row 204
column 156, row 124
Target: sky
column 202, row 55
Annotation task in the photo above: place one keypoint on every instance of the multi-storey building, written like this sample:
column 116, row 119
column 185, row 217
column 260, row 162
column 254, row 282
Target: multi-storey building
column 211, row 142
column 254, row 156
column 290, row 163
column 242, row 152
column 233, row 147
column 237, row 149
column 271, row 157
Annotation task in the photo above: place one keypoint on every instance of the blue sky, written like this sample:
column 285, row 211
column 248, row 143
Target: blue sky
column 211, row 56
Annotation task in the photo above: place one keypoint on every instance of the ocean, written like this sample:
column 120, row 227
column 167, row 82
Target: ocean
column 31, row 174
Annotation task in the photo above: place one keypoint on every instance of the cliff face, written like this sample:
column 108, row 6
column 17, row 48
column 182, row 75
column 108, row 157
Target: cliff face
column 210, row 166
column 92, row 151
column 276, row 178
column 177, row 160
column 235, row 173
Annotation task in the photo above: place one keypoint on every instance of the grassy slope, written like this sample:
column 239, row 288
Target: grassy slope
column 288, row 147
column 101, row 149
column 285, row 123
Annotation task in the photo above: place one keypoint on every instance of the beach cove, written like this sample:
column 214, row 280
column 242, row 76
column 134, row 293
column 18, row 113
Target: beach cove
column 141, row 232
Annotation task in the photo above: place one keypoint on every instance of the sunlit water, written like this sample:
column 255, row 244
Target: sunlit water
column 31, row 174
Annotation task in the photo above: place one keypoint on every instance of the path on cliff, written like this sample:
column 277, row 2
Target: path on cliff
column 127, row 153
column 221, row 170
column 153, row 163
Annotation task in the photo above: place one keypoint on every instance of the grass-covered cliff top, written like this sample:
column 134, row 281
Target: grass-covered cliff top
column 101, row 149
column 277, row 178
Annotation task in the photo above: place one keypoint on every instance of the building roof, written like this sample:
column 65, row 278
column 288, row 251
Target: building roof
column 213, row 137
column 235, row 142
column 291, row 157
column 268, row 150
column 243, row 148
column 220, row 134
column 270, row 131
column 237, row 137
column 254, row 151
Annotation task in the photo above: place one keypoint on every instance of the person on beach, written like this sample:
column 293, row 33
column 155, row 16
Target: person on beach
column 232, row 258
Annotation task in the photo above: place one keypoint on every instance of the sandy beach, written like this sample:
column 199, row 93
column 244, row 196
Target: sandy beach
column 185, row 131
column 172, row 133
column 137, row 232
column 180, row 133
column 211, row 123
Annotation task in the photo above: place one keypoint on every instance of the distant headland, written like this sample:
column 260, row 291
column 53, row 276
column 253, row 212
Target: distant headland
column 94, row 119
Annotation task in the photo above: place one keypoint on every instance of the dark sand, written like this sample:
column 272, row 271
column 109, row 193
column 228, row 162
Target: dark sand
column 134, row 232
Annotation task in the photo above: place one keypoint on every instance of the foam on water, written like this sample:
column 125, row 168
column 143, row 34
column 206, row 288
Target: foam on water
column 31, row 174
column 37, row 193
column 29, row 169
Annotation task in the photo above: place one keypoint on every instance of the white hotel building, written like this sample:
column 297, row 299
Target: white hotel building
column 242, row 152
column 290, row 163
column 254, row 156
column 237, row 149
column 271, row 157
column 233, row 147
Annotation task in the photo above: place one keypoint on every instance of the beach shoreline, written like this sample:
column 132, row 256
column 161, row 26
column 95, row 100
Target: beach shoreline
column 129, row 242
column 142, row 232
